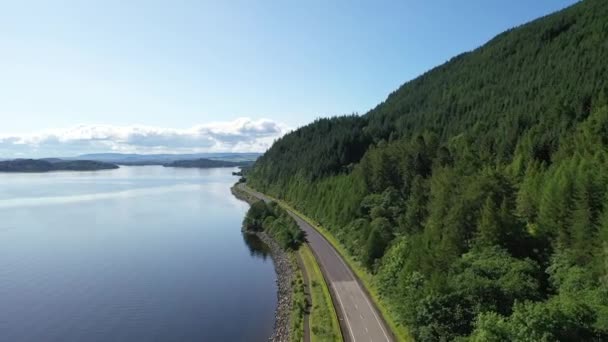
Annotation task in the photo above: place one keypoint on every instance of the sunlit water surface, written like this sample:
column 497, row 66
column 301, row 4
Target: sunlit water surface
column 136, row 254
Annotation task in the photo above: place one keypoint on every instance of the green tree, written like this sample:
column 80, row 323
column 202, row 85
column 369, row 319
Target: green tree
column 480, row 177
column 255, row 216
column 415, row 214
column 379, row 238
column 490, row 225
column 602, row 258
column 555, row 208
column 583, row 229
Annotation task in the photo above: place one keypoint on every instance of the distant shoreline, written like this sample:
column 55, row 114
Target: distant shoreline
column 56, row 164
column 53, row 165
column 204, row 163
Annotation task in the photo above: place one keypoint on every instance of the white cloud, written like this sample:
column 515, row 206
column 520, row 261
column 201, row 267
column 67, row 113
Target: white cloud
column 240, row 135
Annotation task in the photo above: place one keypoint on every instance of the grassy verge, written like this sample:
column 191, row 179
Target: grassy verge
column 242, row 195
column 298, row 302
column 398, row 330
column 324, row 325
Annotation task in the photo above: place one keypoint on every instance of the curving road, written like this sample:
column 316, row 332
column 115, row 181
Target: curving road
column 360, row 321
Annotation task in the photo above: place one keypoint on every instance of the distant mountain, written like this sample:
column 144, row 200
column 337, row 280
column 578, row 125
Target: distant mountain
column 203, row 163
column 162, row 159
column 53, row 164
column 52, row 160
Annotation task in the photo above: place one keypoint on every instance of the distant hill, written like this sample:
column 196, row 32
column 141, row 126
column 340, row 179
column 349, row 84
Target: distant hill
column 162, row 159
column 54, row 164
column 206, row 163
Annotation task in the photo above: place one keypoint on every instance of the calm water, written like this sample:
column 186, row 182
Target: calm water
column 135, row 254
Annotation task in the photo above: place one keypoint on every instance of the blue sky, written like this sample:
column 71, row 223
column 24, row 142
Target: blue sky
column 183, row 65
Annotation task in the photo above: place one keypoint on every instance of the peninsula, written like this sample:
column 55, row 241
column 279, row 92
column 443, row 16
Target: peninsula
column 47, row 165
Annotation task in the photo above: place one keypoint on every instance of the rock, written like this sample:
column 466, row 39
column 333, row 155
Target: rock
column 284, row 270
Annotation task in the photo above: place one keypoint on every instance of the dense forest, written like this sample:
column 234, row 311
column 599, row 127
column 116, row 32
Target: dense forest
column 475, row 194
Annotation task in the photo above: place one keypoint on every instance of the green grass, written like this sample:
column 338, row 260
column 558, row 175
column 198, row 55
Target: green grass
column 242, row 195
column 398, row 330
column 323, row 321
column 298, row 303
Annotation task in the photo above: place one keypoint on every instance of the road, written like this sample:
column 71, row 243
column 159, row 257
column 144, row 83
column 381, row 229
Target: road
column 360, row 321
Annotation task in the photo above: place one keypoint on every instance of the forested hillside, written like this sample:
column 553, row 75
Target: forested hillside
column 204, row 163
column 475, row 194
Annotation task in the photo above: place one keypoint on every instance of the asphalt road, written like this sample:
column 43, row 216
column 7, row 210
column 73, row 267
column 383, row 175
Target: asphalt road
column 359, row 319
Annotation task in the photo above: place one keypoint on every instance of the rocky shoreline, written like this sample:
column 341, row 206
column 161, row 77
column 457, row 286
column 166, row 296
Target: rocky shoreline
column 284, row 270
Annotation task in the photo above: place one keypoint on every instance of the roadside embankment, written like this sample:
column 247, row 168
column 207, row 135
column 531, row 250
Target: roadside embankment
column 285, row 275
column 312, row 314
column 288, row 286
column 351, row 289
column 323, row 321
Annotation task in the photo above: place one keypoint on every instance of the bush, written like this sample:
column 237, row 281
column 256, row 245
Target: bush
column 275, row 221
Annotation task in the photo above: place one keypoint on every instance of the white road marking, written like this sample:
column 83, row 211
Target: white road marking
column 350, row 330
column 376, row 316
column 359, row 287
column 352, row 276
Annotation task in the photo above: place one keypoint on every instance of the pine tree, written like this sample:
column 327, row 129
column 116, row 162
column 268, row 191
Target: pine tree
column 555, row 208
column 415, row 213
column 603, row 244
column 489, row 228
column 527, row 197
column 582, row 230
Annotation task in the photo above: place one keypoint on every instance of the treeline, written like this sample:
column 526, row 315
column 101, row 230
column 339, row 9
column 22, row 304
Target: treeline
column 42, row 165
column 272, row 219
column 276, row 222
column 204, row 163
column 476, row 194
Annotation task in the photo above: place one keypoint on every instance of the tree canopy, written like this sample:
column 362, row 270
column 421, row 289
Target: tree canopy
column 476, row 194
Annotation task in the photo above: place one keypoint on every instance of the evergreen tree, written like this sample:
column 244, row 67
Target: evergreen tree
column 583, row 230
column 490, row 225
column 603, row 245
column 440, row 158
column 415, row 214
column 555, row 209
column 527, row 198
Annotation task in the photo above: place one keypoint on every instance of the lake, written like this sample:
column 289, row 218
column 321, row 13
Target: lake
column 142, row 253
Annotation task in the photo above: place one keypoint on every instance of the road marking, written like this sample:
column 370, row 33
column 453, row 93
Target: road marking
column 348, row 270
column 361, row 316
column 350, row 330
column 367, row 331
column 376, row 316
column 355, row 279
column 356, row 306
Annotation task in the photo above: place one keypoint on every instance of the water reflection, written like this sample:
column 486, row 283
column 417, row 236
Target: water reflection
column 257, row 247
column 142, row 253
